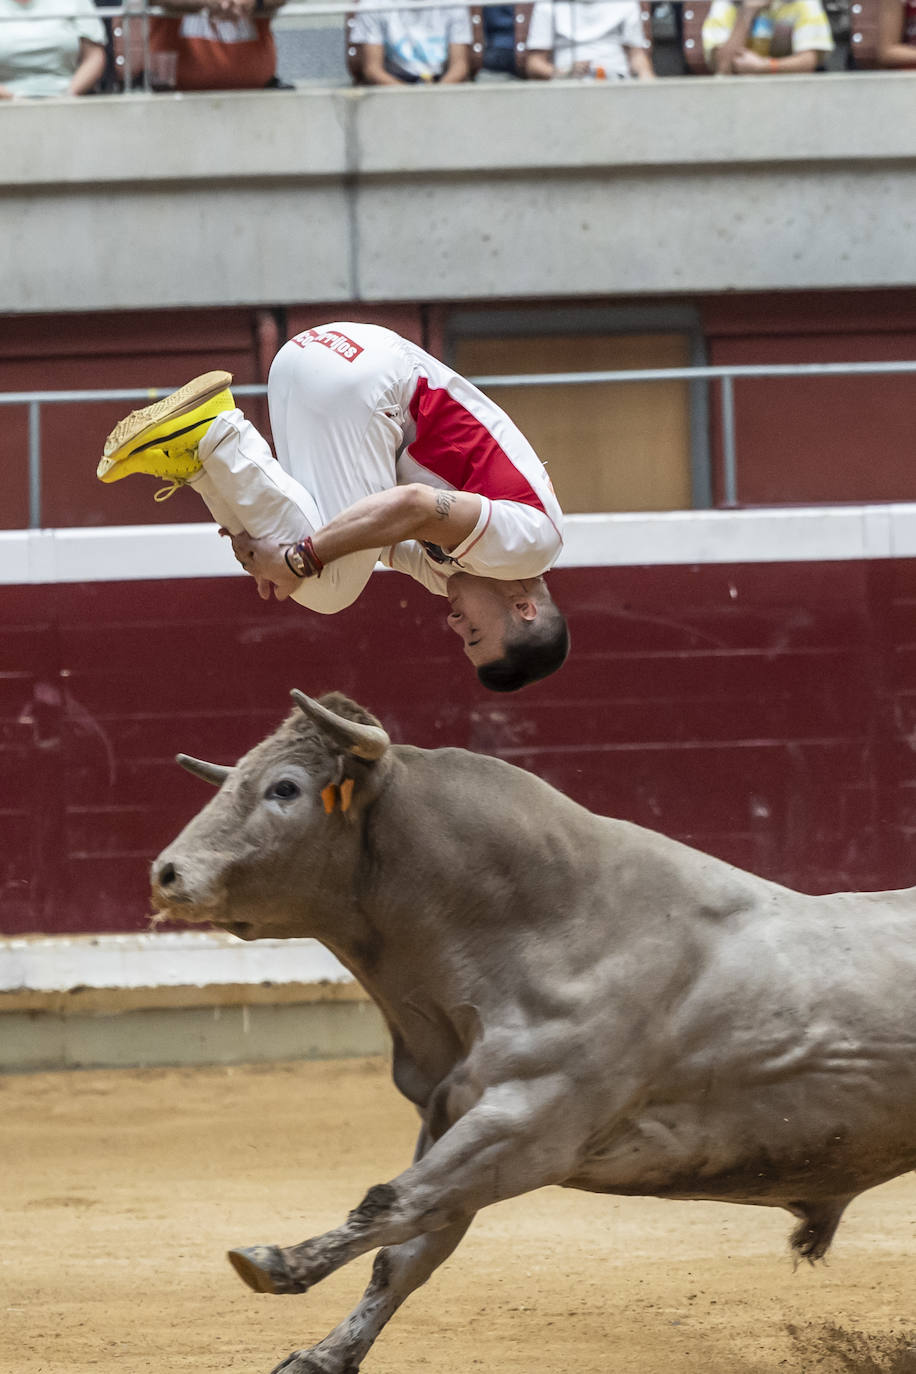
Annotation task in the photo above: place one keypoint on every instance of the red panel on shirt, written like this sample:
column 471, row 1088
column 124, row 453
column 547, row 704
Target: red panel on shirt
column 455, row 445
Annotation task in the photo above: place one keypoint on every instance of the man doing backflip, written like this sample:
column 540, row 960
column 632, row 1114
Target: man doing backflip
column 383, row 454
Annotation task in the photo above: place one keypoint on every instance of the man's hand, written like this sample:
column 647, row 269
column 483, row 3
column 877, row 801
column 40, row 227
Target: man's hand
column 747, row 63
column 413, row 511
column 265, row 561
column 725, row 57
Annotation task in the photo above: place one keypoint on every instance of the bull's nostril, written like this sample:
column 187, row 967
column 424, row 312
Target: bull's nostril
column 167, row 875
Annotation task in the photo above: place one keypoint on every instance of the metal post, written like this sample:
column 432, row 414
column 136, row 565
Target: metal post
column 146, row 66
column 729, row 458
column 698, row 419
column 34, row 465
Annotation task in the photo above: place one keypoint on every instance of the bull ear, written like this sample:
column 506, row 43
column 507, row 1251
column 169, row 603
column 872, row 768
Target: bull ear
column 365, row 741
column 217, row 773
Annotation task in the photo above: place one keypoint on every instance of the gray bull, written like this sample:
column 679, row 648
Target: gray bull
column 571, row 999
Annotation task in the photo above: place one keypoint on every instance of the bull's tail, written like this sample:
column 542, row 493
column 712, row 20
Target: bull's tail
column 814, row 1233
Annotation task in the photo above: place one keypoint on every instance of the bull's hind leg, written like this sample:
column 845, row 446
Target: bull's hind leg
column 517, row 1138
column 397, row 1271
column 812, row 1237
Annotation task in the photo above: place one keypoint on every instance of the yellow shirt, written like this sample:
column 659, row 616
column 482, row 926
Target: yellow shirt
column 777, row 31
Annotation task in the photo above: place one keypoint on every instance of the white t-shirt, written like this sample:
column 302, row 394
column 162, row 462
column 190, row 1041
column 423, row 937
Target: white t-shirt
column 509, row 540
column 457, row 438
column 416, row 42
column 39, row 56
column 595, row 31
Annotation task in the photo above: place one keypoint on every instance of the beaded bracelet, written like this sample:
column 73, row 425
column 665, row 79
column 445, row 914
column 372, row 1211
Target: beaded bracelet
column 302, row 560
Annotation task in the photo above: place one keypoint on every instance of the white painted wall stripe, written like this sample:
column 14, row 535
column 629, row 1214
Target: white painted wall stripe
column 59, row 963
column 761, row 535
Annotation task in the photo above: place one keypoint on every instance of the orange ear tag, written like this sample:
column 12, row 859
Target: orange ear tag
column 346, row 794
column 329, row 797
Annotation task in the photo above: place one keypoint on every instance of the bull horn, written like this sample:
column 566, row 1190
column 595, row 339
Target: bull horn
column 217, row 773
column 365, row 741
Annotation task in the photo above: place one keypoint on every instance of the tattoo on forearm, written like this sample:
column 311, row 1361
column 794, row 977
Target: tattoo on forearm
column 444, row 502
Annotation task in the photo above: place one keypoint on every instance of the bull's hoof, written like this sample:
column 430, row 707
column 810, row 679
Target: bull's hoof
column 307, row 1362
column 264, row 1269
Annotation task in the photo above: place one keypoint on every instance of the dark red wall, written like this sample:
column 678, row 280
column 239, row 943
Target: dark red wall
column 813, row 439
column 766, row 713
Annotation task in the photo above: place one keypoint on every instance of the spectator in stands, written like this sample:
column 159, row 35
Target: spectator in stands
column 404, row 47
column 601, row 39
column 63, row 55
column 756, row 38
column 499, row 39
column 896, row 46
column 220, row 45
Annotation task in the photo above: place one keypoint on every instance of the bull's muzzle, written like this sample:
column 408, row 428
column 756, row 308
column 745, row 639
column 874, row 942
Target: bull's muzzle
column 167, row 884
column 185, row 888
column 166, row 880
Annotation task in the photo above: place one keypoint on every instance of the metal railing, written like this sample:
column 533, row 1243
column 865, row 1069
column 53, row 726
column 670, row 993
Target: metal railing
column 725, row 376
column 309, row 9
column 132, row 17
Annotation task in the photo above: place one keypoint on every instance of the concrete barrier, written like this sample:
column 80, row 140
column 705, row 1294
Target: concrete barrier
column 109, row 1001
column 460, row 193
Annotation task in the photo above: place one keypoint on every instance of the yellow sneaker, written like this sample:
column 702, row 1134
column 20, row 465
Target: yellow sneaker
column 161, row 439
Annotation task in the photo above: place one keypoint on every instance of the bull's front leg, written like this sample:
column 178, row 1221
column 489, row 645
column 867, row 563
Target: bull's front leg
column 396, row 1273
column 518, row 1137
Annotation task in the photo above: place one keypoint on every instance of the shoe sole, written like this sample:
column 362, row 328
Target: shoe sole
column 140, row 423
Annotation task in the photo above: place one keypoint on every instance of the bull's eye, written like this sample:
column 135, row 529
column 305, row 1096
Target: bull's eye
column 285, row 789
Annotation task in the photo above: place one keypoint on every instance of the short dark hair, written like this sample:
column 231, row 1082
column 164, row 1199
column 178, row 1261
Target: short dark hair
column 534, row 650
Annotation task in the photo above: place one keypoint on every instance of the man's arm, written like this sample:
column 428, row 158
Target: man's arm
column 458, row 68
column 891, row 50
column 538, row 66
column 414, row 511
column 539, row 55
column 752, row 64
column 90, row 69
column 375, row 73
column 640, row 64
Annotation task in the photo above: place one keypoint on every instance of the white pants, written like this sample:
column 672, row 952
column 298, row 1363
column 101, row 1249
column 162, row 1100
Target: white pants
column 337, row 430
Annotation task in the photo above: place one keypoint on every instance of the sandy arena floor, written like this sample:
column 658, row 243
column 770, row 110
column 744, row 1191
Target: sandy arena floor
column 120, row 1192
